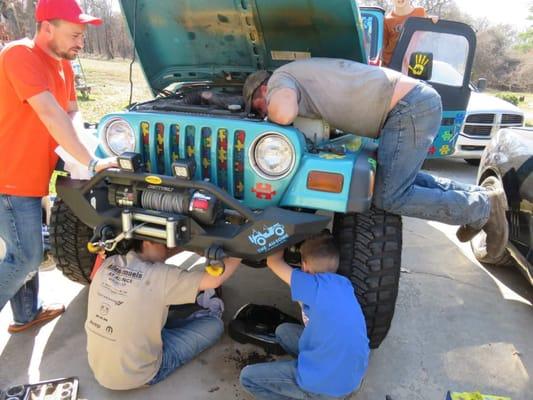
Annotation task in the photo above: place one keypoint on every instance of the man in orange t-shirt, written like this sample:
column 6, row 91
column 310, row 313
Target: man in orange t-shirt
column 394, row 22
column 37, row 110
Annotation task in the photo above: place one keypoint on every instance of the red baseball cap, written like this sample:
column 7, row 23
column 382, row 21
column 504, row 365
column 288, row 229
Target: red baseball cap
column 68, row 10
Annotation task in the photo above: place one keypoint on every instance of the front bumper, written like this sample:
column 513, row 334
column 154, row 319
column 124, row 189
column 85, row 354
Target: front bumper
column 247, row 234
column 469, row 147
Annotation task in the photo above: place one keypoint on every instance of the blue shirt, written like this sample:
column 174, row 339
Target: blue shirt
column 333, row 348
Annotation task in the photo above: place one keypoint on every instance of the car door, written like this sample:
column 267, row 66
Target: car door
column 441, row 54
column 372, row 19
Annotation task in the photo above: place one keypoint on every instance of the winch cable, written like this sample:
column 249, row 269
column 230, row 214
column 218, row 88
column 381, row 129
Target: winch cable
column 167, row 202
column 134, row 50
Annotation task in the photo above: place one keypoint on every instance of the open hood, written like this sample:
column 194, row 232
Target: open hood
column 196, row 40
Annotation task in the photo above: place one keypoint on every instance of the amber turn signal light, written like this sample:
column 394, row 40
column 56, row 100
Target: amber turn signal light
column 325, row 181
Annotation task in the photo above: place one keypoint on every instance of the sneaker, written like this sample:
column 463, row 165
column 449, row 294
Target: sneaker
column 46, row 314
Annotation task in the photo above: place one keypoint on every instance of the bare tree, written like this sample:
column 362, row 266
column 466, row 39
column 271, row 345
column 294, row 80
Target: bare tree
column 440, row 8
column 9, row 10
column 110, row 39
column 386, row 4
column 29, row 12
column 494, row 59
column 436, row 7
column 522, row 77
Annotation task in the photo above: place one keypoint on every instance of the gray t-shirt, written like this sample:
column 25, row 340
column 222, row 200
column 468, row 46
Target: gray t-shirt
column 128, row 307
column 350, row 96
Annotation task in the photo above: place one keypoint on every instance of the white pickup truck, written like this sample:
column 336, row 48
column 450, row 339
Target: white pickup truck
column 485, row 116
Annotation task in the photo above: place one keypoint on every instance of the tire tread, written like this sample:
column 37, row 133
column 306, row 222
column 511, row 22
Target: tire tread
column 370, row 247
column 68, row 237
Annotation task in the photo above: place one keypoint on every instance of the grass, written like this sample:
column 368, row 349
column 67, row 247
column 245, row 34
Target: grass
column 110, row 87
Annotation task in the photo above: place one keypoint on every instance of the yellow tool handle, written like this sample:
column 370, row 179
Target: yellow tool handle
column 214, row 270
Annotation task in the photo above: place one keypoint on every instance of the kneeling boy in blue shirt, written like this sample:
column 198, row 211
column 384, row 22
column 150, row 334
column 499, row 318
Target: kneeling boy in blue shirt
column 332, row 348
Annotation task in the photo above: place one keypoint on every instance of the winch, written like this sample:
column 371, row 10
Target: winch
column 155, row 213
column 201, row 206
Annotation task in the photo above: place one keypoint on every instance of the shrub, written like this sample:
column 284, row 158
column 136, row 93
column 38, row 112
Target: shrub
column 511, row 98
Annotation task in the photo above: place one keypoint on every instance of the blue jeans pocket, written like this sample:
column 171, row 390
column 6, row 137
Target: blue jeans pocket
column 6, row 204
column 425, row 126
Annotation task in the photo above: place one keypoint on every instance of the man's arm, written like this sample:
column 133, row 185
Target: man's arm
column 277, row 264
column 61, row 127
column 211, row 282
column 75, row 116
column 283, row 106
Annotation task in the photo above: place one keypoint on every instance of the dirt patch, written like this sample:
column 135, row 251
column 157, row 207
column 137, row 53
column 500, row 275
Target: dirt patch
column 242, row 359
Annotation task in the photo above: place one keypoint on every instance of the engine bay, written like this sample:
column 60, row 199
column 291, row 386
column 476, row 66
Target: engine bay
column 224, row 101
column 199, row 99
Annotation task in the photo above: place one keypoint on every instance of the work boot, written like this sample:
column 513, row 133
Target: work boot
column 496, row 228
column 466, row 233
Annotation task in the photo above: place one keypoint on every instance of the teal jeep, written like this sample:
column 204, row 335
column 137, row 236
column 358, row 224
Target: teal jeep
column 202, row 174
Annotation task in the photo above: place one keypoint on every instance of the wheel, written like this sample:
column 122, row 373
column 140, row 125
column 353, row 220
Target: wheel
column 473, row 161
column 68, row 240
column 479, row 242
column 370, row 247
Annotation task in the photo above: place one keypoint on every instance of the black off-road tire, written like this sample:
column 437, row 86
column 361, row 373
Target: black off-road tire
column 370, row 247
column 68, row 240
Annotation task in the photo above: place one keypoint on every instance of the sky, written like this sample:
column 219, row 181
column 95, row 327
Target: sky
column 512, row 12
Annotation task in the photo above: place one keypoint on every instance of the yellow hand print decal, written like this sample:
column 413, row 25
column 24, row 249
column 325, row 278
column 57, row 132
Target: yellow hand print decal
column 421, row 61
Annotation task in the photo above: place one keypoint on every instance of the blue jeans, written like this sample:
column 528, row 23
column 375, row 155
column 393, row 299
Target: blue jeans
column 184, row 342
column 21, row 252
column 277, row 380
column 400, row 187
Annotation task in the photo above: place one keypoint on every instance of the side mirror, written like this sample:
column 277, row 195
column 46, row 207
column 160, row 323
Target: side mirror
column 420, row 66
column 481, row 84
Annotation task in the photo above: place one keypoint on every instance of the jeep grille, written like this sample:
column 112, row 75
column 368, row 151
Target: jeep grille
column 218, row 153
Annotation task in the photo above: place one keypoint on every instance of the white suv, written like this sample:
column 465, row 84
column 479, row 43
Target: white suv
column 485, row 116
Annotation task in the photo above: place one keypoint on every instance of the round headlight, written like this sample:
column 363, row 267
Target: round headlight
column 272, row 156
column 119, row 137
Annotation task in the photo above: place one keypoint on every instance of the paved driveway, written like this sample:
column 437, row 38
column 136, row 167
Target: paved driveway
column 458, row 325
